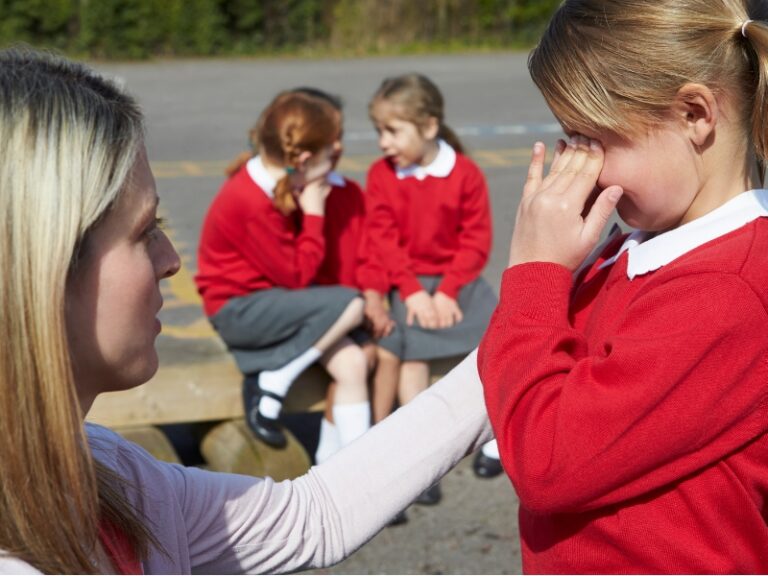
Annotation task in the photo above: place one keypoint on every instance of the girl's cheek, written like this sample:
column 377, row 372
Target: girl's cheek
column 608, row 175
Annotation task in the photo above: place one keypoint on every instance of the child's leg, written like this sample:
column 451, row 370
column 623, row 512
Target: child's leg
column 414, row 379
column 279, row 381
column 346, row 363
column 385, row 383
column 328, row 440
column 371, row 356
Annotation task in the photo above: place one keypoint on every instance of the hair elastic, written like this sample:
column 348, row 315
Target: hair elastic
column 290, row 169
column 744, row 27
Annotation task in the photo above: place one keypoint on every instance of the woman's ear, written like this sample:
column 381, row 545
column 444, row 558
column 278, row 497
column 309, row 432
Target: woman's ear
column 431, row 128
column 697, row 106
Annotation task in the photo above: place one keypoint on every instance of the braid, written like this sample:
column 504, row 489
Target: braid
column 294, row 123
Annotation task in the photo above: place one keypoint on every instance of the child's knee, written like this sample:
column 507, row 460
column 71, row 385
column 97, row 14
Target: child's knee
column 386, row 358
column 349, row 364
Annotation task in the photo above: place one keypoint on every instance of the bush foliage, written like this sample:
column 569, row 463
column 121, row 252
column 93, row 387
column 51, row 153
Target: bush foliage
column 144, row 28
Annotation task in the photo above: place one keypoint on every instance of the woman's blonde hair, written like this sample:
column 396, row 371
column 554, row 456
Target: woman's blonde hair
column 617, row 65
column 68, row 139
column 418, row 99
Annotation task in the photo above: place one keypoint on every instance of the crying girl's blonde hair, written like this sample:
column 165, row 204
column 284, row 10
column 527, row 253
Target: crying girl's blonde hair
column 617, row 65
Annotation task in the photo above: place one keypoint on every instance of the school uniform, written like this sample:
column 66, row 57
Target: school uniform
column 429, row 228
column 629, row 400
column 269, row 282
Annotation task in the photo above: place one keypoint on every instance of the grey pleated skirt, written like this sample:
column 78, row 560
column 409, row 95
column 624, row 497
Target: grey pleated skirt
column 269, row 328
column 477, row 302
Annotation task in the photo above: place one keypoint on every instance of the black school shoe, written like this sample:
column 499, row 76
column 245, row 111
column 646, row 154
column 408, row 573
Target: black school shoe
column 268, row 430
column 485, row 466
column 430, row 496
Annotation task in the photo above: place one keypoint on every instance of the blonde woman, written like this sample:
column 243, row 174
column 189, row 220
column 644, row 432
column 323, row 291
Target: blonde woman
column 82, row 255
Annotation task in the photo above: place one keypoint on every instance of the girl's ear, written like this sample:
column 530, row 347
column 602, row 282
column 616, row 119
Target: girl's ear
column 699, row 110
column 301, row 161
column 431, row 128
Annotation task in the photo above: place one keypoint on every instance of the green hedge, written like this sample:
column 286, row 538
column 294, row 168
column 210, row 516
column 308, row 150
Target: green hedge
column 144, row 28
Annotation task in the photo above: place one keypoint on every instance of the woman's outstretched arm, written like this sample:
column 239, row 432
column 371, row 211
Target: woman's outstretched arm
column 224, row 523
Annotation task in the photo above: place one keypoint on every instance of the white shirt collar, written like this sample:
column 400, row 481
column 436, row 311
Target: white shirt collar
column 264, row 180
column 646, row 252
column 440, row 167
column 258, row 173
column 335, row 179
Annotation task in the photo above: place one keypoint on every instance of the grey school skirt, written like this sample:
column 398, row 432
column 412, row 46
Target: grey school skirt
column 269, row 328
column 477, row 302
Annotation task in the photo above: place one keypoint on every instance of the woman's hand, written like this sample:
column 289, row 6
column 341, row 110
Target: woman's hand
column 312, row 198
column 554, row 220
column 448, row 311
column 376, row 315
column 419, row 306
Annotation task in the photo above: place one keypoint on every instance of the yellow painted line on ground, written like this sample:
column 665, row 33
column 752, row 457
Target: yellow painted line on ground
column 180, row 291
column 200, row 329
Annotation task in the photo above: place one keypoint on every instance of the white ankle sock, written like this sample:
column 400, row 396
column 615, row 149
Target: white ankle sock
column 280, row 380
column 328, row 442
column 270, row 407
column 491, row 449
column 352, row 420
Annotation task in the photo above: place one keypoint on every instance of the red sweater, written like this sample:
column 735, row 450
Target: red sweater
column 248, row 245
column 435, row 226
column 631, row 414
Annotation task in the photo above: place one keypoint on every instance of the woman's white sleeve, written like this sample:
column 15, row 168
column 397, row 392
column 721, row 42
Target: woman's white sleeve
column 224, row 523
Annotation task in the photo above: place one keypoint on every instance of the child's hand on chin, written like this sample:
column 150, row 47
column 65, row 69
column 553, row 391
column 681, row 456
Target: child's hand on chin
column 313, row 196
column 550, row 226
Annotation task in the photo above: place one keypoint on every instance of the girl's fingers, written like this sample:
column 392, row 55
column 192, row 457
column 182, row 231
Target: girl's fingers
column 569, row 164
column 601, row 211
column 577, row 177
column 535, row 169
column 559, row 148
column 563, row 158
column 409, row 316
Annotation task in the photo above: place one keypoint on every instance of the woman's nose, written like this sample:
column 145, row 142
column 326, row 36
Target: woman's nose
column 170, row 262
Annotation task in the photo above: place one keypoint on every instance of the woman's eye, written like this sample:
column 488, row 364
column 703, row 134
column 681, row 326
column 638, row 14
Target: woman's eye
column 157, row 225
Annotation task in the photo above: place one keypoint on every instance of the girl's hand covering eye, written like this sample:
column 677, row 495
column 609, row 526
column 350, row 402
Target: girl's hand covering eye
column 552, row 224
